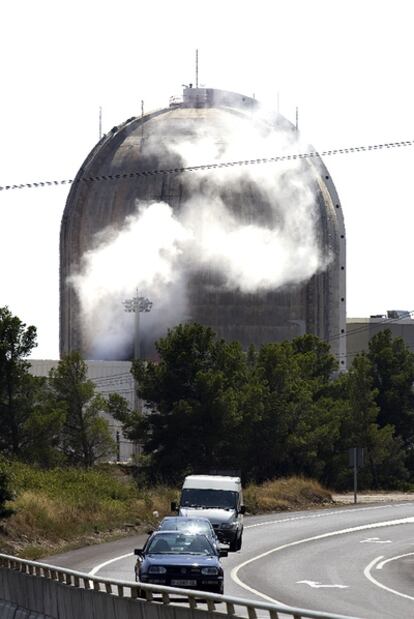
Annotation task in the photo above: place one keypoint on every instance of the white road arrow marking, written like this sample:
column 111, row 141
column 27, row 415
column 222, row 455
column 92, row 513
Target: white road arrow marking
column 375, row 540
column 318, row 585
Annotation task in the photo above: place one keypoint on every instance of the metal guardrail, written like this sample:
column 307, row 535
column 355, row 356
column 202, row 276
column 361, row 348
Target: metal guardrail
column 158, row 594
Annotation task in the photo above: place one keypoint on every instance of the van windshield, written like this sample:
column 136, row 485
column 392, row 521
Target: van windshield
column 203, row 497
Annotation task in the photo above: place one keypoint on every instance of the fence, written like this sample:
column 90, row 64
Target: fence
column 33, row 590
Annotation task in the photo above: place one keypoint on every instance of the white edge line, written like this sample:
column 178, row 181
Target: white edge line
column 367, row 574
column 235, row 570
column 101, row 565
column 324, row 514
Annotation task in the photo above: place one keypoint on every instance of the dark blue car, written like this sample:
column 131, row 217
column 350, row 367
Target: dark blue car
column 178, row 559
column 200, row 525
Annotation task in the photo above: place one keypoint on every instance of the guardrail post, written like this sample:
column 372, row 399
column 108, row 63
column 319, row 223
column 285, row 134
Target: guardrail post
column 192, row 603
column 230, row 609
column 165, row 598
column 211, row 605
column 252, row 612
column 274, row 614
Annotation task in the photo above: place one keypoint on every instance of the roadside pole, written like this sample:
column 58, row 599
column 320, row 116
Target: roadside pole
column 355, row 475
column 356, row 459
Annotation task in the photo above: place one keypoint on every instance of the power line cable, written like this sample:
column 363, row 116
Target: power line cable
column 212, row 166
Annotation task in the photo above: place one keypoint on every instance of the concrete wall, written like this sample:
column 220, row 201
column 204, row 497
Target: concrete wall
column 33, row 597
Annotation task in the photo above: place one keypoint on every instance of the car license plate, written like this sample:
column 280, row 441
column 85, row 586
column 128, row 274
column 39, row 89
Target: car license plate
column 183, row 582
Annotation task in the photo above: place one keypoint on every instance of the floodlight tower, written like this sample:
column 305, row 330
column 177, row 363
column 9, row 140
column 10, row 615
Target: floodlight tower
column 137, row 305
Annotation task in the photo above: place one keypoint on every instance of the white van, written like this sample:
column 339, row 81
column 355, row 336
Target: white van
column 218, row 498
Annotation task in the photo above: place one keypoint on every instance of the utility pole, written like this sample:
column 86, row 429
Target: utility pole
column 356, row 459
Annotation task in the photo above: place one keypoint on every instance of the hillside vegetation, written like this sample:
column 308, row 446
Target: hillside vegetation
column 58, row 509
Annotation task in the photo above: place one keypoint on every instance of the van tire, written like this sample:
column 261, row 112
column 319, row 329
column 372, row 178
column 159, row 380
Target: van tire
column 235, row 544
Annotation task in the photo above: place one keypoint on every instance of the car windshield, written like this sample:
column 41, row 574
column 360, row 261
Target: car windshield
column 189, row 526
column 196, row 497
column 179, row 544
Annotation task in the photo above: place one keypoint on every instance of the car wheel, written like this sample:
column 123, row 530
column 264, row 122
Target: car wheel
column 234, row 545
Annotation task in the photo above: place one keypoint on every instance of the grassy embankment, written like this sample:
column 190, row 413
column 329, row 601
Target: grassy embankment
column 61, row 509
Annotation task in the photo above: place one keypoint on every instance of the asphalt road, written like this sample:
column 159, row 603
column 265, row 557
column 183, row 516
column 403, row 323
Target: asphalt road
column 353, row 560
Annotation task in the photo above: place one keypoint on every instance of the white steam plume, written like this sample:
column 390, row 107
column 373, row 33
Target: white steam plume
column 271, row 242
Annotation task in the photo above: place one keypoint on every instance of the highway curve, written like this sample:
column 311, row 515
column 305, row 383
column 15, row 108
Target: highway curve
column 356, row 560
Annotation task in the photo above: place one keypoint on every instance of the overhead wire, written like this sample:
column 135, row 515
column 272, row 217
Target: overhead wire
column 280, row 158
column 211, row 166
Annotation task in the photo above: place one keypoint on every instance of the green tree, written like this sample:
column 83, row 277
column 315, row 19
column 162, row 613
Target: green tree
column 296, row 423
column 85, row 435
column 192, row 401
column 393, row 378
column 42, row 428
column 6, row 493
column 16, row 343
column 384, row 455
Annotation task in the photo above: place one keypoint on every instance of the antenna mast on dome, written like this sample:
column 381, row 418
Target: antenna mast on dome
column 196, row 69
column 100, row 122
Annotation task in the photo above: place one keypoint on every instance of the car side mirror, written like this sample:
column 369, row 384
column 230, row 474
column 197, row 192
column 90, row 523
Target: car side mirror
column 174, row 506
column 138, row 551
column 242, row 509
column 150, row 531
column 223, row 553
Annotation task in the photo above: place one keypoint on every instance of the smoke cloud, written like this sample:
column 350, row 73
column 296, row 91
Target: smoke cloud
column 255, row 227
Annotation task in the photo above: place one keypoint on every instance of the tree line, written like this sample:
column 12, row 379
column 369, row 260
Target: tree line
column 281, row 410
column 48, row 421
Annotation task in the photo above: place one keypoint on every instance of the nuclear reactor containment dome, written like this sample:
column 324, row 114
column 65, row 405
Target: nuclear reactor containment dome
column 128, row 166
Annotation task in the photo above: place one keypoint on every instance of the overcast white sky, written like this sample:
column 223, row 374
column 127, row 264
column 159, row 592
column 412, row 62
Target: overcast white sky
column 348, row 65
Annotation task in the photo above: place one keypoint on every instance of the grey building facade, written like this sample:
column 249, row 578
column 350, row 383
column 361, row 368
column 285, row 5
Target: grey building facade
column 361, row 330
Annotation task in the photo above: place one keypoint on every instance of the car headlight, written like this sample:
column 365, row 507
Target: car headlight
column 229, row 525
column 157, row 569
column 209, row 571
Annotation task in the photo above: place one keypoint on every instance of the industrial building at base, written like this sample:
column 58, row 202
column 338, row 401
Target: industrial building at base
column 148, row 143
column 108, row 377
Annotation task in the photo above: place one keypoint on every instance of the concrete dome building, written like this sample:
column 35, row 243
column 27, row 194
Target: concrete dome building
column 149, row 144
